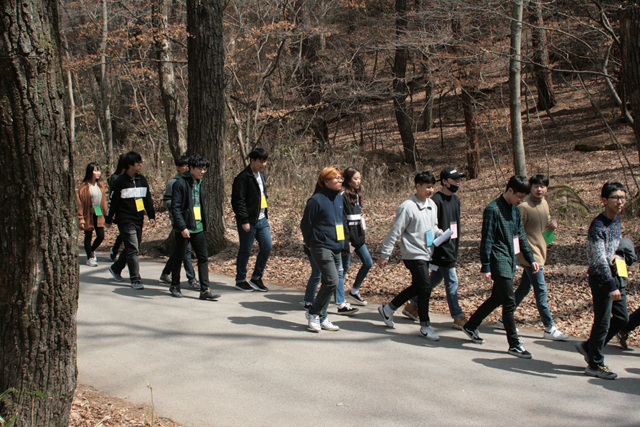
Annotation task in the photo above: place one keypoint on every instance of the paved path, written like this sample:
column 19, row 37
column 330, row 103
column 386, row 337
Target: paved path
column 248, row 359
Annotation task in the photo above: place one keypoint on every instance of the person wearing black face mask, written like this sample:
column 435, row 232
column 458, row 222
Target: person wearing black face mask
column 445, row 256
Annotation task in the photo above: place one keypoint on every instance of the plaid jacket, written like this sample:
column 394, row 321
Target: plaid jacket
column 498, row 230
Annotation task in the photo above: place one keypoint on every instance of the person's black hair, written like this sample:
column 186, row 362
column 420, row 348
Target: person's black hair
column 121, row 166
column 539, row 179
column 182, row 161
column 352, row 194
column 611, row 186
column 197, row 161
column 424, row 177
column 131, row 158
column 88, row 174
column 519, row 183
column 258, row 153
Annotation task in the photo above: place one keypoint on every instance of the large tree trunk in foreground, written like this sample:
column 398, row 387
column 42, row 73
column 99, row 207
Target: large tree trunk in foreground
column 541, row 71
column 205, row 134
column 471, row 129
column 630, row 29
column 38, row 237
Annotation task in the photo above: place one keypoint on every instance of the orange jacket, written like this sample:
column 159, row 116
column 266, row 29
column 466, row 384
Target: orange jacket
column 85, row 207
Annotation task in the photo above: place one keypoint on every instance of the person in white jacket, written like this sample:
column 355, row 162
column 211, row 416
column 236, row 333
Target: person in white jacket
column 416, row 224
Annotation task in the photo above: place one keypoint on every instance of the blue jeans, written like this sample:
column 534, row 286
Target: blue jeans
column 314, row 279
column 540, row 291
column 261, row 232
column 451, row 288
column 367, row 263
column 328, row 263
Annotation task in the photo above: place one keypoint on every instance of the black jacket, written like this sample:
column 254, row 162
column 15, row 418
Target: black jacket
column 182, row 204
column 353, row 222
column 446, row 254
column 324, row 210
column 245, row 197
column 122, row 200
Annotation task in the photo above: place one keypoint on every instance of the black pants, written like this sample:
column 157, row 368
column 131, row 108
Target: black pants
column 89, row 247
column 608, row 318
column 420, row 286
column 132, row 235
column 199, row 245
column 501, row 295
column 634, row 321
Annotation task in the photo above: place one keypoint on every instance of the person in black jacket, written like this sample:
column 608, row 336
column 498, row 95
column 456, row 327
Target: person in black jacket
column 129, row 200
column 120, row 168
column 249, row 202
column 355, row 223
column 189, row 224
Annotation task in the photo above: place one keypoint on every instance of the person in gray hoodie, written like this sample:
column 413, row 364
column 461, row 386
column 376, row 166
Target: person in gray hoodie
column 416, row 224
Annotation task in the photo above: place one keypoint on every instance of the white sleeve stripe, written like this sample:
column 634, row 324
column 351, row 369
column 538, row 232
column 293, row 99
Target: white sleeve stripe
column 133, row 193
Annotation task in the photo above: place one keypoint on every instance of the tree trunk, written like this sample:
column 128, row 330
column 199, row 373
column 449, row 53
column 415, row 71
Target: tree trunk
column 105, row 98
column 400, row 90
column 630, row 40
column 471, row 128
column 173, row 114
column 425, row 120
column 543, row 76
column 517, row 142
column 205, row 133
column 38, row 235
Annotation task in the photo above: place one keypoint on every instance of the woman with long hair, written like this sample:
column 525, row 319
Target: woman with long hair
column 324, row 234
column 92, row 206
column 354, row 221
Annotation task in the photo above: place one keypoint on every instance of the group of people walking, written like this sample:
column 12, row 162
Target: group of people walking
column 516, row 229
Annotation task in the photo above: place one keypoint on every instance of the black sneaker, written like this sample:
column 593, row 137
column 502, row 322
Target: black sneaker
column 583, row 351
column 175, row 291
column 116, row 276
column 165, row 278
column 206, row 294
column 244, row 287
column 356, row 299
column 519, row 351
column 600, row 371
column 257, row 283
column 307, row 305
column 474, row 335
column 347, row 310
column 194, row 284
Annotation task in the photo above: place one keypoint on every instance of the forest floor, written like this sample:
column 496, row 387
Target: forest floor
column 565, row 271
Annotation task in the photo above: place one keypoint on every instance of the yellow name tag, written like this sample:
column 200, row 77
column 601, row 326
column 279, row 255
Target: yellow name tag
column 340, row 232
column 621, row 266
column 139, row 205
column 263, row 202
column 197, row 213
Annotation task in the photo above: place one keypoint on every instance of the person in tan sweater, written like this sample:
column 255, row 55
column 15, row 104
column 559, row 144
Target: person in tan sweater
column 539, row 228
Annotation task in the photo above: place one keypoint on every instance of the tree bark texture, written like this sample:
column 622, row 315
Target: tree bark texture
column 173, row 113
column 517, row 141
column 205, row 134
column 541, row 71
column 400, row 89
column 38, row 236
column 425, row 120
column 630, row 40
column 471, row 128
column 105, row 92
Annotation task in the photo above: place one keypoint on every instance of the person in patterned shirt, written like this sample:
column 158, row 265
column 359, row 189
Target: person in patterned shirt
column 503, row 237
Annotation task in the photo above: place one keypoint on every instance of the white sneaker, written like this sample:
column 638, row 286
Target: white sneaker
column 328, row 326
column 555, row 335
column 429, row 333
column 314, row 322
column 94, row 257
column 92, row 262
column 387, row 319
